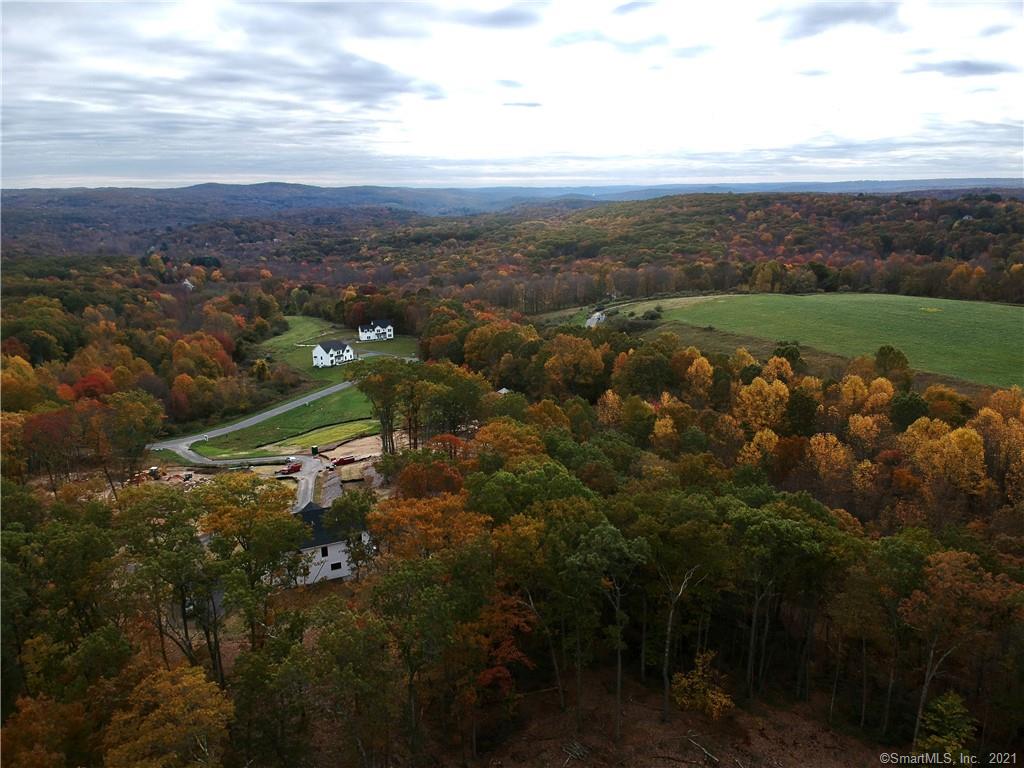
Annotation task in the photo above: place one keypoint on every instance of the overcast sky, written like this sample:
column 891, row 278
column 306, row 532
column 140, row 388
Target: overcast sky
column 472, row 94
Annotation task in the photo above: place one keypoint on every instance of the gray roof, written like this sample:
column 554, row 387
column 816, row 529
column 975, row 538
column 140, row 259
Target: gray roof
column 320, row 536
column 375, row 324
column 335, row 344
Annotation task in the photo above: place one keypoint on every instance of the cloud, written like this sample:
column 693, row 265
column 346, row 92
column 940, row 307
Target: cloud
column 514, row 16
column 995, row 29
column 623, row 46
column 390, row 93
column 690, row 51
column 963, row 68
column 814, row 19
column 625, row 8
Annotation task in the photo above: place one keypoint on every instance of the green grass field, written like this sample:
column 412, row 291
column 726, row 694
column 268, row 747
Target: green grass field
column 402, row 346
column 335, row 433
column 348, row 405
column 974, row 341
column 308, row 331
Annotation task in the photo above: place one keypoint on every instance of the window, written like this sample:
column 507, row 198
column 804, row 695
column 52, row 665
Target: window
column 335, row 566
column 323, row 551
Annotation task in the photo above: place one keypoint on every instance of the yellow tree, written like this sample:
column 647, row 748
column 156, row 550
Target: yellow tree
column 546, row 415
column 664, row 438
column 759, row 449
column 829, row 457
column 741, row 359
column 761, row 405
column 1003, row 438
column 574, row 366
column 509, row 440
column 172, row 718
column 959, row 460
column 698, row 378
column 863, row 432
column 1009, row 403
column 777, row 369
column 880, row 392
column 853, row 393
column 609, row 409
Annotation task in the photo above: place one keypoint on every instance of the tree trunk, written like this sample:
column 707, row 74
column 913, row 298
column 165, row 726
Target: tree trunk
column 411, row 701
column 764, row 644
column 160, row 633
column 835, row 678
column 579, row 681
column 666, row 683
column 752, row 647
column 928, row 672
column 110, row 482
column 551, row 647
column 888, row 696
column 863, row 680
column 643, row 642
column 618, row 665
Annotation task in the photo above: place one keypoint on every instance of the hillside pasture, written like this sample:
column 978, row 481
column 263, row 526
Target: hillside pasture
column 295, row 347
column 973, row 341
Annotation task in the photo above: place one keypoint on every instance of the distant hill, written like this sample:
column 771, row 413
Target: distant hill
column 108, row 217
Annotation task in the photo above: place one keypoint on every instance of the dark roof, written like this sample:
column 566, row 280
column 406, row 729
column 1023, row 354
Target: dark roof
column 334, row 344
column 374, row 324
column 312, row 515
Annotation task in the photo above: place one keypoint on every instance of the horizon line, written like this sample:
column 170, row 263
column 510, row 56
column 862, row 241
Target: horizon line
column 1015, row 181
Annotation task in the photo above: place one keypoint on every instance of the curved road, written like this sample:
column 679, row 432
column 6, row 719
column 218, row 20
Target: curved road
column 311, row 465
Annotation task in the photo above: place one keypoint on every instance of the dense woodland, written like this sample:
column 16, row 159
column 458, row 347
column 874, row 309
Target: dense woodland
column 722, row 529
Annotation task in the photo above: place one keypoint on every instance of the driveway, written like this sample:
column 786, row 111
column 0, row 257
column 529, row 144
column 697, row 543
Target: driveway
column 311, row 465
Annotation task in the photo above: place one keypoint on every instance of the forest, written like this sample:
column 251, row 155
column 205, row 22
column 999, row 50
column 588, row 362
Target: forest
column 572, row 520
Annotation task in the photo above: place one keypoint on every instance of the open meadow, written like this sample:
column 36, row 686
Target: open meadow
column 979, row 342
column 295, row 347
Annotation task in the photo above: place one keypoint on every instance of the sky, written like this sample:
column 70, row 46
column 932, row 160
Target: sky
column 487, row 94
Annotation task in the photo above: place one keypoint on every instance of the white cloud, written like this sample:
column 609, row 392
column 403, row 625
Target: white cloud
column 400, row 93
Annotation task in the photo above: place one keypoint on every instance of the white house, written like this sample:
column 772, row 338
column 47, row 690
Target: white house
column 378, row 330
column 328, row 555
column 328, row 353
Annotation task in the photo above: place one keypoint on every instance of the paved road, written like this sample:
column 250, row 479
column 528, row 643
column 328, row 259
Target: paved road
column 311, row 465
column 181, row 445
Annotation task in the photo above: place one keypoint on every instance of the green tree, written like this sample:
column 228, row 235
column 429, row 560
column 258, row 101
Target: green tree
column 347, row 518
column 255, row 539
column 168, row 569
column 946, row 725
column 906, row 408
column 361, row 677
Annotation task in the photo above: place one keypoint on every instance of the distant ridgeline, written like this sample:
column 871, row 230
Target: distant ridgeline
column 105, row 217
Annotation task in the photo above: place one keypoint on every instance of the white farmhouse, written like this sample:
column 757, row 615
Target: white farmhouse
column 378, row 330
column 327, row 554
column 328, row 353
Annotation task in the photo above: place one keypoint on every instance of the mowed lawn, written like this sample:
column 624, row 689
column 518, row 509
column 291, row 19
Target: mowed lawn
column 308, row 332
column 972, row 340
column 349, row 405
column 325, row 436
column 295, row 346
